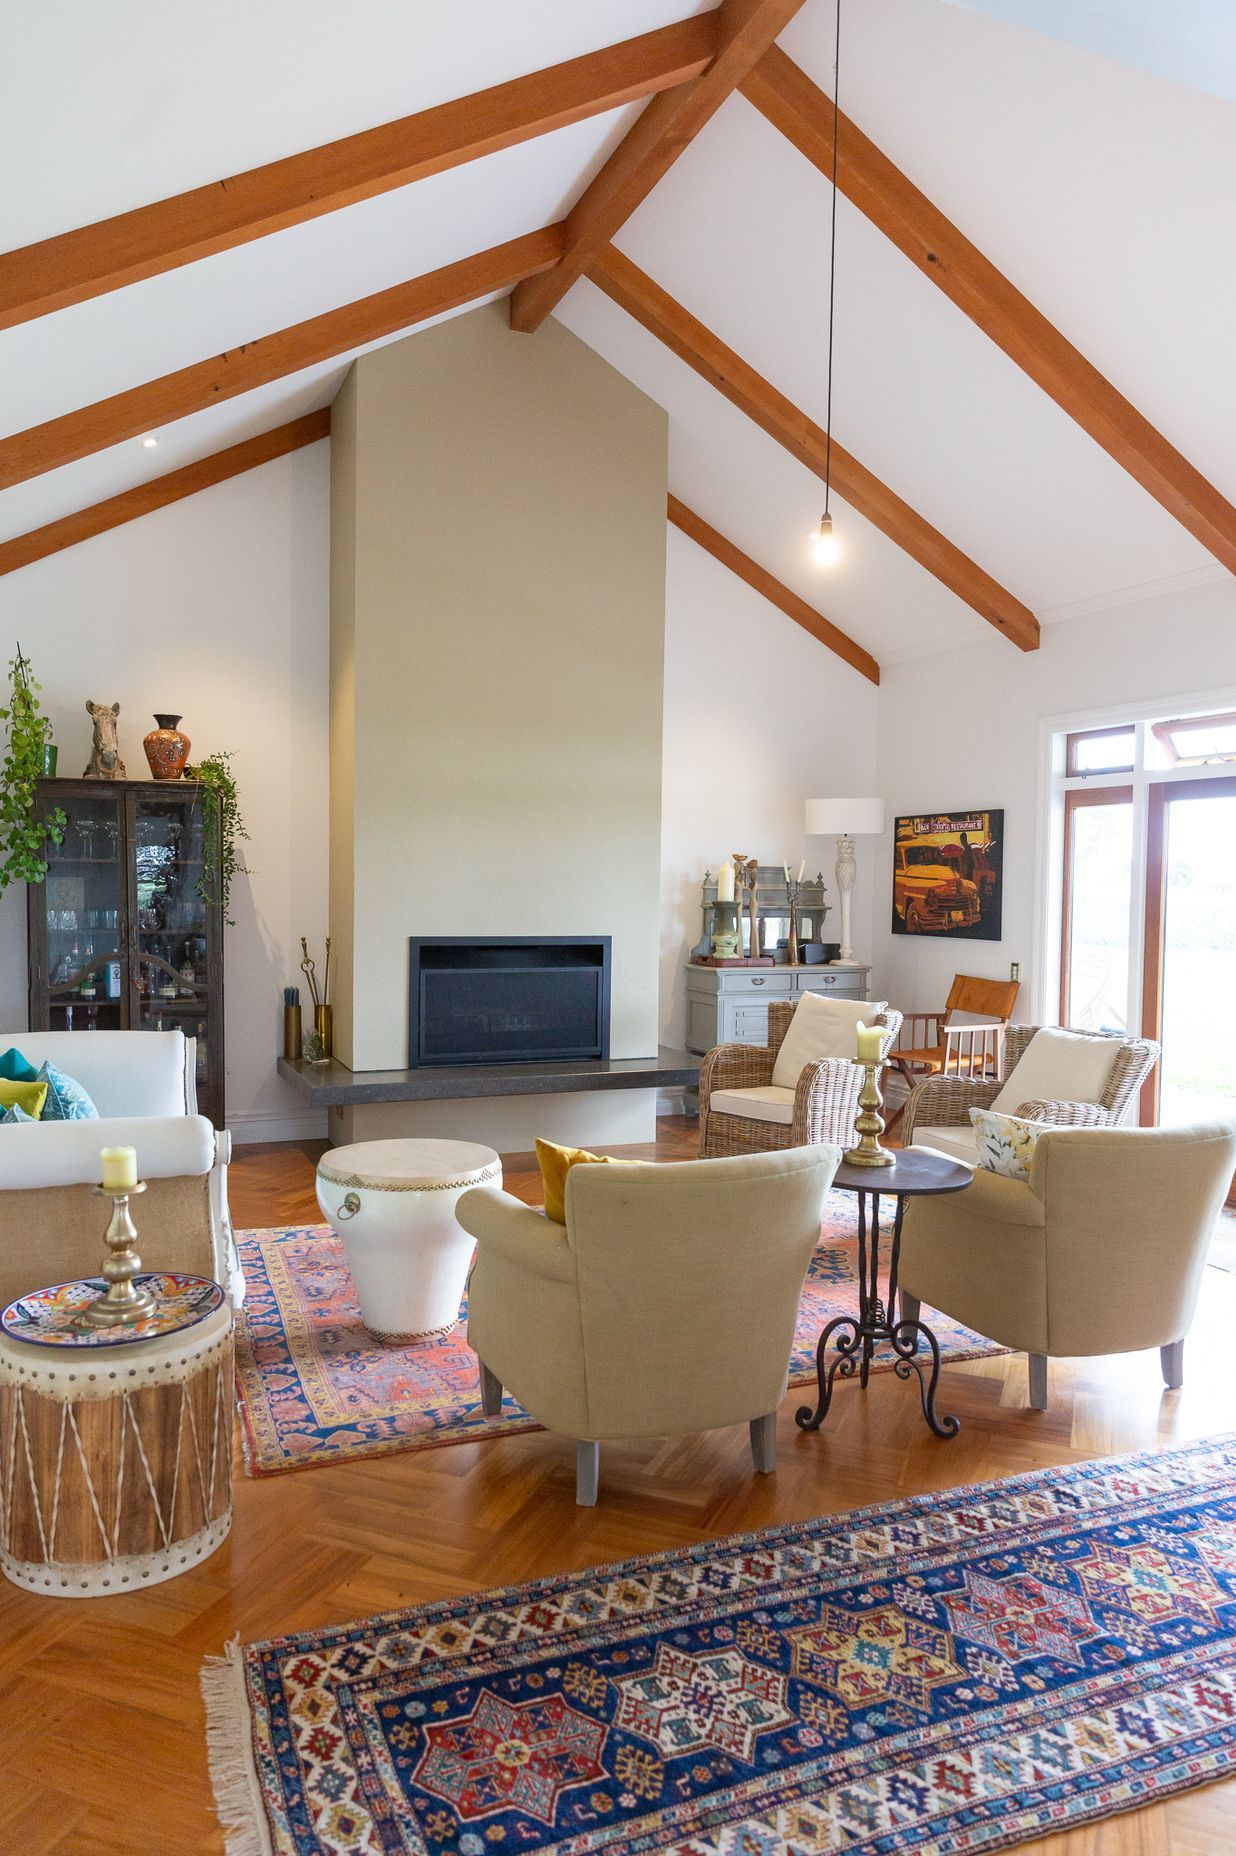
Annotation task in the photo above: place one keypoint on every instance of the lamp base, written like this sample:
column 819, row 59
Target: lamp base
column 847, row 963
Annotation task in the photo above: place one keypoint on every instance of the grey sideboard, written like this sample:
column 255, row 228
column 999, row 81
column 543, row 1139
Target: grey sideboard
column 729, row 1005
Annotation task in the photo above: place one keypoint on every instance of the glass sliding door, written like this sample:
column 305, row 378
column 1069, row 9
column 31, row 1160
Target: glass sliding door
column 1189, row 986
column 1098, row 890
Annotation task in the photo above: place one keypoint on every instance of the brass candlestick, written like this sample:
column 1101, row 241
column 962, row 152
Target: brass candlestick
column 124, row 1301
column 869, row 1123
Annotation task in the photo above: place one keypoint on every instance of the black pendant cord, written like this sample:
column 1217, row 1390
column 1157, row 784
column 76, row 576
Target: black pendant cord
column 832, row 266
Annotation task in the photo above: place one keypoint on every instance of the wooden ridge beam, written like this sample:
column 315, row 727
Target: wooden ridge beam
column 208, row 383
column 804, row 114
column 94, row 259
column 772, row 589
column 38, row 543
column 745, row 30
column 625, row 284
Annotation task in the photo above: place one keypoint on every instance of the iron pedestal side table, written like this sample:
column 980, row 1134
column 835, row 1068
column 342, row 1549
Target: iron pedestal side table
column 854, row 1338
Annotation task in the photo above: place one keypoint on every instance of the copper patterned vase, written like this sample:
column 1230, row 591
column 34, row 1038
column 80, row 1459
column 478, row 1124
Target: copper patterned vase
column 167, row 749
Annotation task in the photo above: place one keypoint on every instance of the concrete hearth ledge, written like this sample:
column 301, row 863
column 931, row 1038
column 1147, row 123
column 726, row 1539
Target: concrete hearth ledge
column 333, row 1085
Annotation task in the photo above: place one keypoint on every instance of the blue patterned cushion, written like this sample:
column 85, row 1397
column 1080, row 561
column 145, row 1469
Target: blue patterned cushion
column 15, row 1068
column 13, row 1113
column 66, row 1099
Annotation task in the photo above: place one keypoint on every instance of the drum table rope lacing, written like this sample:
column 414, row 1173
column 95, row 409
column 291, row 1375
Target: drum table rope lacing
column 115, row 1469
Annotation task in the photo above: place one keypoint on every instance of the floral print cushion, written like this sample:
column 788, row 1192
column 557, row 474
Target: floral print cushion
column 1006, row 1143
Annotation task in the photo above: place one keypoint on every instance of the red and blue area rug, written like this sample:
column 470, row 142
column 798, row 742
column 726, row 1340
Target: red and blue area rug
column 940, row 1676
column 314, row 1388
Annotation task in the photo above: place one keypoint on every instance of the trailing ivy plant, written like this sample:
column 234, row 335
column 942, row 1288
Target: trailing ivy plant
column 23, row 834
column 215, row 773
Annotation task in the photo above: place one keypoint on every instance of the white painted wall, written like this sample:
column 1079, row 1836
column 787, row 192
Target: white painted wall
column 217, row 608
column 758, row 718
column 962, row 728
column 218, row 605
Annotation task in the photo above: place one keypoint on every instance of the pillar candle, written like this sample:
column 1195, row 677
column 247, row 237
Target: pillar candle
column 119, row 1168
column 870, row 1043
column 725, row 883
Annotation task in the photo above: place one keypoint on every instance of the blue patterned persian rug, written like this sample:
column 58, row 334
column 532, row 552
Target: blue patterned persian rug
column 945, row 1675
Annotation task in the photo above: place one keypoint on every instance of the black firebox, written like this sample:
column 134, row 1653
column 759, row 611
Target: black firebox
column 507, row 998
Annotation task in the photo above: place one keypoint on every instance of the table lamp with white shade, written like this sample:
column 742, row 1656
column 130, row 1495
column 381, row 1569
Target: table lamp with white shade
column 845, row 820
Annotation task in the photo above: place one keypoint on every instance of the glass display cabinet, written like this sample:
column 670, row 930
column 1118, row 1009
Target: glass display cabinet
column 126, row 931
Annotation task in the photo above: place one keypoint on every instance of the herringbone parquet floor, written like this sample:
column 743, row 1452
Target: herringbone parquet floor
column 102, row 1749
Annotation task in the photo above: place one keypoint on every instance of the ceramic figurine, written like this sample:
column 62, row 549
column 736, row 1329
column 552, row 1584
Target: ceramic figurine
column 105, row 761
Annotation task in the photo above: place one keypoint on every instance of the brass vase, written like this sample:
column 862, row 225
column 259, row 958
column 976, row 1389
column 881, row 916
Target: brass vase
column 167, row 749
column 323, row 1024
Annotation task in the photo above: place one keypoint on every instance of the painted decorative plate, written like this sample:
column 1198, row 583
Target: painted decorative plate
column 55, row 1317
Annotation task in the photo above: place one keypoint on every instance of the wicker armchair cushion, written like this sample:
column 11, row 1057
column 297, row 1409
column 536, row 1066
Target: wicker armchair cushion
column 957, row 1143
column 820, row 1028
column 1058, row 1066
column 760, row 1104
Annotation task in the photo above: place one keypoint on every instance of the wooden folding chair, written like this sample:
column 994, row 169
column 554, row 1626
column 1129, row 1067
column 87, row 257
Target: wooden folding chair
column 965, row 1039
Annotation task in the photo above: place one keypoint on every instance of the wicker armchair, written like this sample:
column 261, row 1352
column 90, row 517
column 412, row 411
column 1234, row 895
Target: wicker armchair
column 825, row 1100
column 946, row 1101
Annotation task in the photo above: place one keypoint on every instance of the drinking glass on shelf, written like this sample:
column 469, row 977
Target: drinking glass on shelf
column 86, row 828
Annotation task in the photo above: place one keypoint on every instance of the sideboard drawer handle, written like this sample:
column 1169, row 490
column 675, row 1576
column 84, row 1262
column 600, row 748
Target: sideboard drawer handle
column 756, row 982
column 830, row 979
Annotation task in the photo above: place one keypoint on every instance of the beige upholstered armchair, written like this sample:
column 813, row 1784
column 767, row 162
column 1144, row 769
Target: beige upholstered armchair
column 1101, row 1250
column 938, row 1111
column 667, row 1303
column 746, row 1106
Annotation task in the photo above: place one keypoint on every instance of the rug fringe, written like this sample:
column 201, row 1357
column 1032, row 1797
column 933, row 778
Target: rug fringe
column 229, row 1754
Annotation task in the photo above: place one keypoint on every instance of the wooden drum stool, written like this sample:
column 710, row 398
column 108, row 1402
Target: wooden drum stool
column 116, row 1464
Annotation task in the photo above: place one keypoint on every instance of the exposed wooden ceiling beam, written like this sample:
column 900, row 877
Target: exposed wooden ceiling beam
column 97, row 258
column 160, row 491
column 804, row 113
column 745, row 30
column 686, row 337
column 208, row 383
column 773, row 589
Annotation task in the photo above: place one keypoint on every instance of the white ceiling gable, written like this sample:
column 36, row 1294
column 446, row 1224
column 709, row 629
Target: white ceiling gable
column 1103, row 191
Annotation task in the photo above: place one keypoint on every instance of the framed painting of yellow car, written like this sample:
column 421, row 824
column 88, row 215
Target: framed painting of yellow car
column 948, row 875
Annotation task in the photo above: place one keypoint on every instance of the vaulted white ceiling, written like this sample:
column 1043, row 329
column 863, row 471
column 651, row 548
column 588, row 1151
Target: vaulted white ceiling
column 1102, row 191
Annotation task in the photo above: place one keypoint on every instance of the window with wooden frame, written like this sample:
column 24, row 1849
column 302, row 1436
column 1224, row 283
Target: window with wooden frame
column 1098, row 888
column 1100, row 750
column 1197, row 741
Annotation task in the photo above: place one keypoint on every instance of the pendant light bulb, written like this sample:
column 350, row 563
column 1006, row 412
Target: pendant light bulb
column 824, row 543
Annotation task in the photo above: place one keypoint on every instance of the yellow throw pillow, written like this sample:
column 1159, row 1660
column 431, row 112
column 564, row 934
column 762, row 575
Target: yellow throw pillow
column 556, row 1162
column 29, row 1097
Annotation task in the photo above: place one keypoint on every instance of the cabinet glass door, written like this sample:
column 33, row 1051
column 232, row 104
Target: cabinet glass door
column 85, row 915
column 169, row 977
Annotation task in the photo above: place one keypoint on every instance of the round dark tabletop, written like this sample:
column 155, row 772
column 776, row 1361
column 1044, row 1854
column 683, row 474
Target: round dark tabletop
column 914, row 1171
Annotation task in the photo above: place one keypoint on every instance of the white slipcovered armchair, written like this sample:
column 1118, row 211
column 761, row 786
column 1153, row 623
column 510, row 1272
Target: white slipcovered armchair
column 142, row 1083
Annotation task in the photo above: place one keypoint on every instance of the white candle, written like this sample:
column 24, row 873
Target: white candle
column 870, row 1043
column 802, row 866
column 119, row 1168
column 786, row 868
column 725, row 883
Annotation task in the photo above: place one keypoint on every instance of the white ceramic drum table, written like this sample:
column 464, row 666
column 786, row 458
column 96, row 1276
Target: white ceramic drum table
column 393, row 1205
